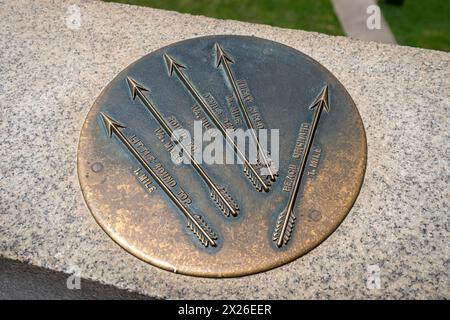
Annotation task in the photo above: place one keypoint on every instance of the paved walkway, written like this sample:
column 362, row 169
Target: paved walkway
column 353, row 17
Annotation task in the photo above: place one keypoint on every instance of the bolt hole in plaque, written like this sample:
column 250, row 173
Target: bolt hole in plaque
column 222, row 156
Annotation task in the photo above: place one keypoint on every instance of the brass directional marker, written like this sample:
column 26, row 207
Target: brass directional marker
column 218, row 194
column 224, row 60
column 194, row 222
column 255, row 177
column 197, row 214
column 286, row 219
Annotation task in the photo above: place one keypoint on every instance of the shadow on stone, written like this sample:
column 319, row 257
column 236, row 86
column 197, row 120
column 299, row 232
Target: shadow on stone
column 22, row 281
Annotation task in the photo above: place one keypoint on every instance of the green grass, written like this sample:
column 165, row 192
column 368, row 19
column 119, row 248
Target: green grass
column 312, row 15
column 420, row 23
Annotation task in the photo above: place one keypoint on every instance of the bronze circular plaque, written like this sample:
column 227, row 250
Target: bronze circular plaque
column 222, row 156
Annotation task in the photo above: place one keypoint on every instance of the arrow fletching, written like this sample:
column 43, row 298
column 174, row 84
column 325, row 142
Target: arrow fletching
column 283, row 229
column 225, row 202
column 254, row 179
column 204, row 233
column 259, row 166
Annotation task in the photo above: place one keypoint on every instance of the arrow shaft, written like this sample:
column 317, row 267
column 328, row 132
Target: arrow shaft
column 219, row 125
column 158, row 116
column 246, row 116
column 308, row 145
column 160, row 182
column 300, row 172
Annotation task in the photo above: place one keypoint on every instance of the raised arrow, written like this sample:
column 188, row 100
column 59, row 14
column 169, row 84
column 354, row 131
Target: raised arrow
column 176, row 67
column 195, row 222
column 219, row 194
column 224, row 61
column 286, row 218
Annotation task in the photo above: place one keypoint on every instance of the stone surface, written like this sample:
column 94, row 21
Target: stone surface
column 52, row 69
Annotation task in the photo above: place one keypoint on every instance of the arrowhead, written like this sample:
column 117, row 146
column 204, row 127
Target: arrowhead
column 322, row 100
column 110, row 124
column 172, row 64
column 221, row 55
column 135, row 87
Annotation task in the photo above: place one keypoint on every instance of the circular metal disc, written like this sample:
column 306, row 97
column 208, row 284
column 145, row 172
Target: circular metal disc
column 280, row 88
